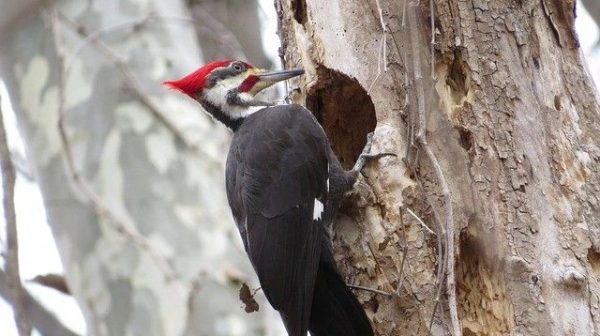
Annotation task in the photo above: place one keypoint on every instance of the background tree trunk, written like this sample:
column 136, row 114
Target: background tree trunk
column 511, row 118
column 593, row 8
column 133, row 186
column 242, row 38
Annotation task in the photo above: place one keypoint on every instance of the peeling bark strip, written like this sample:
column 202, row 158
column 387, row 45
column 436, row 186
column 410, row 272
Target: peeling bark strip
column 43, row 320
column 561, row 14
column 247, row 298
column 516, row 134
column 16, row 293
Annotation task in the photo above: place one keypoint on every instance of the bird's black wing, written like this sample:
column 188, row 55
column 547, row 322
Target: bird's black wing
column 276, row 176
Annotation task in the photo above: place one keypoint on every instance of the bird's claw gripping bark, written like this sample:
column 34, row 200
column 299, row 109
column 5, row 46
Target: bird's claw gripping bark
column 366, row 156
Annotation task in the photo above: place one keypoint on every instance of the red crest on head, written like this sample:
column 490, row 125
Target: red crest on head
column 195, row 81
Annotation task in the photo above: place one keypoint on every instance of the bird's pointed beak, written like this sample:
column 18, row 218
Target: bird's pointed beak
column 267, row 78
column 273, row 77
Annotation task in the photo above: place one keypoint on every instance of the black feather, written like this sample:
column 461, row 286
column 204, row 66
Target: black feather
column 335, row 309
column 285, row 253
column 277, row 168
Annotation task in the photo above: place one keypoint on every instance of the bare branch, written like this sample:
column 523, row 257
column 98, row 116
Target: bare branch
column 43, row 320
column 369, row 289
column 417, row 126
column 93, row 36
column 282, row 49
column 196, row 287
column 54, row 281
column 120, row 223
column 419, row 220
column 432, row 43
column 449, row 225
column 215, row 31
column 203, row 22
column 446, row 195
column 381, row 269
column 446, row 228
column 404, row 252
column 130, row 80
column 15, row 288
column 382, row 50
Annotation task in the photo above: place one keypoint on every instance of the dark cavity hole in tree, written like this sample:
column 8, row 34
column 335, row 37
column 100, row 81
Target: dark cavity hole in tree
column 467, row 271
column 593, row 258
column 469, row 247
column 557, row 103
column 345, row 111
column 299, row 8
column 466, row 138
column 468, row 332
column 457, row 77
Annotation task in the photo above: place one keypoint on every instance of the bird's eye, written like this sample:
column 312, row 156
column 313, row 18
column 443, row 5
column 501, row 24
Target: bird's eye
column 237, row 67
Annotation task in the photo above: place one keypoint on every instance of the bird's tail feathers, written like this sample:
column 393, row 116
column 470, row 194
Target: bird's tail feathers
column 335, row 309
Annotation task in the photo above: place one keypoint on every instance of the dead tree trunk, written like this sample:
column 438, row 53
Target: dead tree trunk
column 499, row 150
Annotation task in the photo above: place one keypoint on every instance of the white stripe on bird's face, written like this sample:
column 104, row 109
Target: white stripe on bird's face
column 317, row 209
column 217, row 96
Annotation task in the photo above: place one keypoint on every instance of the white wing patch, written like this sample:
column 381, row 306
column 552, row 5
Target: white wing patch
column 328, row 177
column 317, row 209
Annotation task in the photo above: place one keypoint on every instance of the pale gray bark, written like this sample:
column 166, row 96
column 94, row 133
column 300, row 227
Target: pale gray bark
column 511, row 120
column 42, row 319
column 135, row 195
column 231, row 26
column 11, row 252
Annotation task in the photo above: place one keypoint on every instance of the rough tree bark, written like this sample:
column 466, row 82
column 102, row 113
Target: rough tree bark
column 132, row 179
column 511, row 118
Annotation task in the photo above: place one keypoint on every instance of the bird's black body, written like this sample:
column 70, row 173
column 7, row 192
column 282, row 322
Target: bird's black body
column 284, row 185
column 279, row 168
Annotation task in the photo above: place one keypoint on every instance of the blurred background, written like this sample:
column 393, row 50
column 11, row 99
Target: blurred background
column 145, row 214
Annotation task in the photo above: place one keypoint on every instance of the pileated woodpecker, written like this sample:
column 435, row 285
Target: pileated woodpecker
column 284, row 185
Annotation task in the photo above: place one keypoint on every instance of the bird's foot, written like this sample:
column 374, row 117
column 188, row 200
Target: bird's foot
column 366, row 155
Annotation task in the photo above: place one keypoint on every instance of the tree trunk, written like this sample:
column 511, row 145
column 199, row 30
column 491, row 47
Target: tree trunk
column 132, row 179
column 242, row 38
column 498, row 152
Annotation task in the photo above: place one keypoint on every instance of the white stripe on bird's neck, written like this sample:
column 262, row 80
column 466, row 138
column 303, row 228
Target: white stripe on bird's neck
column 217, row 96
